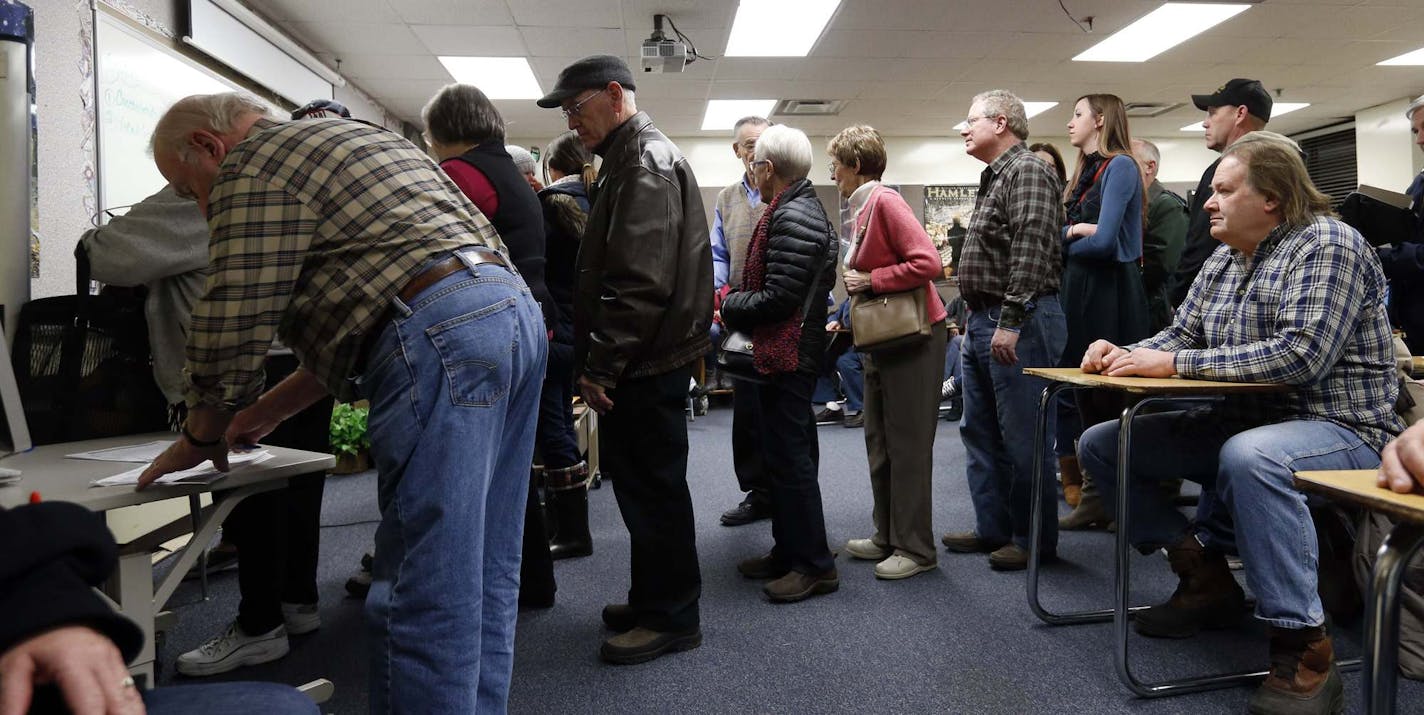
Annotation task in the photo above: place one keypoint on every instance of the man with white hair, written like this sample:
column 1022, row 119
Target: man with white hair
column 642, row 312
column 1009, row 278
column 1404, row 264
column 349, row 244
column 527, row 166
column 1163, row 234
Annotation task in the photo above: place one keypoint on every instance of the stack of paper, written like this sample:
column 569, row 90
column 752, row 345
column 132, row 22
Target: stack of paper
column 204, row 473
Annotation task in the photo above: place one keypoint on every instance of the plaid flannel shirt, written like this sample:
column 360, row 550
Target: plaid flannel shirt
column 1012, row 253
column 316, row 225
column 1307, row 310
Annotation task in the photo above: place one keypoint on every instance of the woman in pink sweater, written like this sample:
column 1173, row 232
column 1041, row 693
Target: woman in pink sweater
column 890, row 252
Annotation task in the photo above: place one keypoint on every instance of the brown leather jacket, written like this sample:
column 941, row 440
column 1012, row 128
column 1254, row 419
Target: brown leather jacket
column 643, row 301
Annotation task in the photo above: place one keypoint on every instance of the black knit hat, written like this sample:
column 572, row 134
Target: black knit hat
column 588, row 73
column 1236, row 93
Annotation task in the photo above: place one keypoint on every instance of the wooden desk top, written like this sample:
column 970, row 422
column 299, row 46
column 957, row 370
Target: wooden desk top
column 1151, row 385
column 46, row 470
column 1357, row 486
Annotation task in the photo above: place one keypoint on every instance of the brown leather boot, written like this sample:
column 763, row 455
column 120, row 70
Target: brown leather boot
column 1207, row 595
column 1072, row 479
column 1303, row 678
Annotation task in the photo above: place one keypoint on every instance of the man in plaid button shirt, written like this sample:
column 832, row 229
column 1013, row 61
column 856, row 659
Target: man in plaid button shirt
column 1009, row 279
column 1294, row 297
column 353, row 247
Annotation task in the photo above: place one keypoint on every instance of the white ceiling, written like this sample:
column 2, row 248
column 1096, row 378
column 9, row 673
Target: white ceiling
column 907, row 67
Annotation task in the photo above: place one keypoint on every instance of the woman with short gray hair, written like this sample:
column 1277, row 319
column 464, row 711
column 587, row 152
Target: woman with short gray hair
column 781, row 305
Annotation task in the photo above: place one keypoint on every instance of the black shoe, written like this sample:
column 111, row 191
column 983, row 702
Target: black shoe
column 1207, row 595
column 954, row 411
column 745, row 513
column 795, row 586
column 220, row 558
column 949, row 389
column 620, row 617
column 828, row 416
column 763, row 567
column 968, row 542
column 855, row 420
column 641, row 645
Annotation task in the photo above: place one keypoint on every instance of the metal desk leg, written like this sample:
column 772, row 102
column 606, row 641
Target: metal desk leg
column 1040, row 447
column 195, row 511
column 1382, row 628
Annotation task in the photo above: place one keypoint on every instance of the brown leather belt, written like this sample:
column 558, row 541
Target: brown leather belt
column 432, row 275
column 423, row 280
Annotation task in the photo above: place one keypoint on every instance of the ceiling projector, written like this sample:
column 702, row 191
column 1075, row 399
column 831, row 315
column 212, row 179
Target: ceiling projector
column 662, row 55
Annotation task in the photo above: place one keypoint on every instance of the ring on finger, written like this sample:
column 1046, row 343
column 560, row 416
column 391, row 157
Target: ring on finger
column 126, row 683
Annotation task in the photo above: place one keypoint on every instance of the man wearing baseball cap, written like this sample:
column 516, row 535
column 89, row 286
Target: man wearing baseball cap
column 642, row 310
column 1235, row 108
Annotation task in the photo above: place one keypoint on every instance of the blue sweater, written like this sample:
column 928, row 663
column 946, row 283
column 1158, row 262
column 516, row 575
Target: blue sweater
column 1118, row 192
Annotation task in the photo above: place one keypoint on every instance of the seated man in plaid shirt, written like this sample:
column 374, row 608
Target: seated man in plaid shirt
column 1293, row 297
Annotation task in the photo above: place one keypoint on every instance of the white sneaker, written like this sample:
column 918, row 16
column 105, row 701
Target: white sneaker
column 234, row 649
column 301, row 618
column 899, row 566
column 866, row 549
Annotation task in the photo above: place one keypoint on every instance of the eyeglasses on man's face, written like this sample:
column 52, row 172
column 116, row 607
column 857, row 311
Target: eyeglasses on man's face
column 578, row 106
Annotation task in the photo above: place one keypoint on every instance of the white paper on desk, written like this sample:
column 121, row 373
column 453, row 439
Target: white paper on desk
column 129, row 453
column 204, row 473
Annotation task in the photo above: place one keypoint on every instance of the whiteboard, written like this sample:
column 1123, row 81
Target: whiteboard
column 138, row 80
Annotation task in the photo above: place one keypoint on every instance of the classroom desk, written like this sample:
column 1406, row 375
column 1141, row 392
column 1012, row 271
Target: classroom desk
column 46, row 470
column 1357, row 486
column 1151, row 391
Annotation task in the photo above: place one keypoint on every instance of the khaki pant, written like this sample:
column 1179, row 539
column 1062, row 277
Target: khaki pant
column 901, row 415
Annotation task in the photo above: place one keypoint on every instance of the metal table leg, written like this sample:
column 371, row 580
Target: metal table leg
column 1382, row 628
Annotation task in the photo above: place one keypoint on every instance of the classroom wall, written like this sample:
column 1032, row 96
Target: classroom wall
column 1384, row 147
column 64, row 91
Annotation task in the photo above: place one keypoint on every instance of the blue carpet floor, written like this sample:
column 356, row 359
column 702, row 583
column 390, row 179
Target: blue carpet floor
column 960, row 639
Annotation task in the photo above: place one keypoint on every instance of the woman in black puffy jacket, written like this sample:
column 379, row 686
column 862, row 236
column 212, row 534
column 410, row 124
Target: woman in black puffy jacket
column 790, row 268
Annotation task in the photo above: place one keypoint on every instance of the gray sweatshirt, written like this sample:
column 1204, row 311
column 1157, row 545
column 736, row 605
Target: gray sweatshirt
column 161, row 243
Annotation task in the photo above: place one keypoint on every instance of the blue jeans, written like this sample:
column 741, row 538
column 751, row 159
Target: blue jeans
column 1246, row 478
column 454, row 383
column 235, row 698
column 951, row 358
column 852, row 374
column 1000, row 415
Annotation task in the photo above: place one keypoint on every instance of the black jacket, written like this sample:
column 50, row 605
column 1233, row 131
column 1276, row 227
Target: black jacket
column 800, row 259
column 565, row 206
column 52, row 554
column 643, row 302
column 1199, row 244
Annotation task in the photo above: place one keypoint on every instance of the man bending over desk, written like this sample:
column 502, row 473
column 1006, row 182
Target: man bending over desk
column 1294, row 297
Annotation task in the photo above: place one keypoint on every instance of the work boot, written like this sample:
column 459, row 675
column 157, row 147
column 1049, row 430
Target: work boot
column 1072, row 479
column 568, row 504
column 1091, row 514
column 1207, row 595
column 1303, row 678
column 536, row 567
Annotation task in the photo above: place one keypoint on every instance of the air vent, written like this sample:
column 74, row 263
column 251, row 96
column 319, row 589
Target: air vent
column 1150, row 109
column 809, row 107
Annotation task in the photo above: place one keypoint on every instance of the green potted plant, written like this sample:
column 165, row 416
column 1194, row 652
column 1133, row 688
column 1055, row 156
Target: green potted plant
column 349, row 441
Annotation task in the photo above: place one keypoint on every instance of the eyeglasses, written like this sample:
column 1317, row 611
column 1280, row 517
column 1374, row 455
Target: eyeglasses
column 969, row 121
column 759, row 162
column 578, row 106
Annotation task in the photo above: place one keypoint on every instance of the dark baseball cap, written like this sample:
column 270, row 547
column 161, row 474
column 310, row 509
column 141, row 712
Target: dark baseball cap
column 322, row 108
column 588, row 73
column 1238, row 92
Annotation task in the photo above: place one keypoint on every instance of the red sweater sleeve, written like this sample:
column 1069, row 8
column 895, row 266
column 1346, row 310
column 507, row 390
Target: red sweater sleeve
column 477, row 188
column 902, row 253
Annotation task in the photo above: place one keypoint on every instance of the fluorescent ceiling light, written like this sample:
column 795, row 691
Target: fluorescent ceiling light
column 497, row 77
column 1158, row 31
column 778, row 28
column 1277, row 110
column 722, row 114
column 1409, row 58
column 1031, row 109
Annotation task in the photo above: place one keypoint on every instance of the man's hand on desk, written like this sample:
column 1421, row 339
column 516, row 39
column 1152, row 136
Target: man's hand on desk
column 84, row 663
column 250, row 425
column 1108, row 359
column 1402, row 462
column 205, row 424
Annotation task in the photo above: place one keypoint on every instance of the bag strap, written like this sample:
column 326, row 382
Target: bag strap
column 816, row 275
column 864, row 228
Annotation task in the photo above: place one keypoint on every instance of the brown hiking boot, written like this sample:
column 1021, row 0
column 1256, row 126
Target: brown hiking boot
column 1207, row 595
column 797, row 586
column 1072, row 479
column 1091, row 514
column 1303, row 678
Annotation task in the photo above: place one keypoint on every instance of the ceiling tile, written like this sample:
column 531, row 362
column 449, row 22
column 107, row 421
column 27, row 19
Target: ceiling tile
column 350, row 38
column 471, row 41
column 577, row 13
column 452, row 12
column 579, row 41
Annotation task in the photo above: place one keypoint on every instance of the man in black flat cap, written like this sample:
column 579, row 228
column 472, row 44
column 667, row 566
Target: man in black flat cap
column 642, row 309
column 1235, row 108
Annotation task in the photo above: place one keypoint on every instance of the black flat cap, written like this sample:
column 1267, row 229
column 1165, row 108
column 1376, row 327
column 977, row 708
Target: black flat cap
column 1236, row 93
column 588, row 73
column 322, row 108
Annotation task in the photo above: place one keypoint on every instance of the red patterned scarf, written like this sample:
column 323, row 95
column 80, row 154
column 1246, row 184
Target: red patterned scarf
column 775, row 344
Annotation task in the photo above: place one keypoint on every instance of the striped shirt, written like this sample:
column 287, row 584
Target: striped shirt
column 1307, row 309
column 316, row 225
column 1012, row 253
